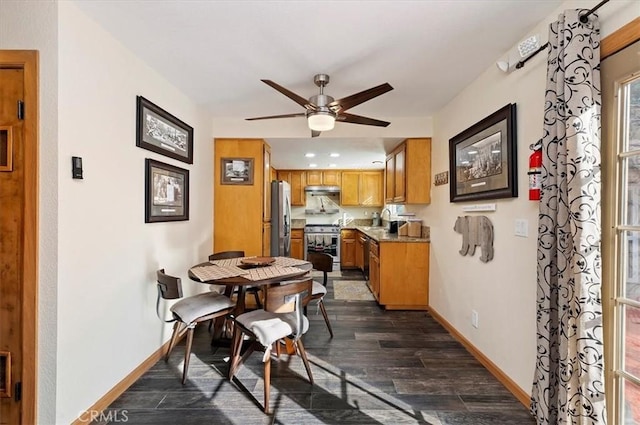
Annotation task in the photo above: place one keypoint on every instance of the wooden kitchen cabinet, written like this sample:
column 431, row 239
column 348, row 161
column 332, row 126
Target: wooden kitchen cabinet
column 266, row 199
column 266, row 239
column 361, row 240
column 408, row 173
column 402, row 275
column 297, row 244
column 374, row 269
column 297, row 180
column 323, row 178
column 362, row 188
column 241, row 226
column 347, row 248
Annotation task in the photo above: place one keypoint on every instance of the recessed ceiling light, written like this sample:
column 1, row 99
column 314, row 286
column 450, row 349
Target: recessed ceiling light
column 310, row 155
column 313, row 165
column 332, row 165
column 376, row 162
column 334, row 155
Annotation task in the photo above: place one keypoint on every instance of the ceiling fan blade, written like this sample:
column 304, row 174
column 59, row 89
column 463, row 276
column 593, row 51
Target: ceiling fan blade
column 291, row 95
column 358, row 98
column 359, row 119
column 315, row 133
column 302, row 114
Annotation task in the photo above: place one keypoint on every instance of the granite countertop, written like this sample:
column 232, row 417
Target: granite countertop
column 380, row 234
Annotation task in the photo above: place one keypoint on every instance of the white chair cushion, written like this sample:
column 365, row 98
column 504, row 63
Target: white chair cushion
column 269, row 327
column 191, row 308
column 318, row 288
column 217, row 289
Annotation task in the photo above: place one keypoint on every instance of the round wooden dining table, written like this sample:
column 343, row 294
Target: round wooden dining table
column 242, row 283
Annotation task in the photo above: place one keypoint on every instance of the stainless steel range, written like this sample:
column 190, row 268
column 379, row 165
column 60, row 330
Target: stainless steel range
column 323, row 238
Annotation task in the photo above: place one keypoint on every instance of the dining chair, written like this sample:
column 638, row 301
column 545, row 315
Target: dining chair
column 189, row 311
column 321, row 262
column 281, row 319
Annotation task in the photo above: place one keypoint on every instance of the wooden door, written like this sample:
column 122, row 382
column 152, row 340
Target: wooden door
column 350, row 192
column 399, row 175
column 18, row 235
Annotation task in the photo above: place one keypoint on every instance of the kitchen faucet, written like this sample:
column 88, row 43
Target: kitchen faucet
column 382, row 214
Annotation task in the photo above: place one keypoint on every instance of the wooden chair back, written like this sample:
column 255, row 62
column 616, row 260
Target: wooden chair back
column 321, row 261
column 288, row 297
column 169, row 287
column 223, row 255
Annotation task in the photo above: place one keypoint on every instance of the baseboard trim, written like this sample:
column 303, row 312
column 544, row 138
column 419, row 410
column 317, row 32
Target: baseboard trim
column 122, row 386
column 514, row 388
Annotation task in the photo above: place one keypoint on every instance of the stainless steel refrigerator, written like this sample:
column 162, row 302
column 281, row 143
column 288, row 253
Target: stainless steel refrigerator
column 280, row 219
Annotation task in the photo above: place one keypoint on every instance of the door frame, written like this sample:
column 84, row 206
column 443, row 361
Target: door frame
column 28, row 61
column 610, row 45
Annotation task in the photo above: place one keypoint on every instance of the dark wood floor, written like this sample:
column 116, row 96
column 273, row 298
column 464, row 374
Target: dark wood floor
column 382, row 367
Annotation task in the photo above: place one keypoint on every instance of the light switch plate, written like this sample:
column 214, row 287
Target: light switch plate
column 521, row 228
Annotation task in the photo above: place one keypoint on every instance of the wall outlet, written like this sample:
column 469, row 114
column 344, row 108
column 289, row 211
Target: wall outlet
column 521, row 228
column 474, row 319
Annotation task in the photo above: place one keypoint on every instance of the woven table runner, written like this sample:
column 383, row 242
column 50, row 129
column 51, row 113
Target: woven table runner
column 228, row 261
column 270, row 272
column 214, row 272
column 286, row 261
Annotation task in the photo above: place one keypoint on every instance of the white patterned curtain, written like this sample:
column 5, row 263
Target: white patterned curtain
column 568, row 385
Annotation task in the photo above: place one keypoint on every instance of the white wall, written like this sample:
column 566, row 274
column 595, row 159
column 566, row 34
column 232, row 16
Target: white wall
column 33, row 26
column 108, row 256
column 503, row 290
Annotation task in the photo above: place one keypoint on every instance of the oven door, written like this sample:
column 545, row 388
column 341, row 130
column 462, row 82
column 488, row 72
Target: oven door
column 324, row 242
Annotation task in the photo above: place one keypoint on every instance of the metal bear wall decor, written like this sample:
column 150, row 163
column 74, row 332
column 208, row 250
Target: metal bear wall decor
column 476, row 231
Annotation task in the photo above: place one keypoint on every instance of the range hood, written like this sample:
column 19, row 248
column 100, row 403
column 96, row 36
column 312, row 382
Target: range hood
column 322, row 190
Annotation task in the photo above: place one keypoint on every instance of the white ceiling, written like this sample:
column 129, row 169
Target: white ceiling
column 216, row 52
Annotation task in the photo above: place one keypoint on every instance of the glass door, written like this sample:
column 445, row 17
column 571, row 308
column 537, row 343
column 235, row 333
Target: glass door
column 621, row 242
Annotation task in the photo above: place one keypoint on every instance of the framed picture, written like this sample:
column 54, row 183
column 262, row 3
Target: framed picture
column 236, row 171
column 482, row 159
column 166, row 192
column 160, row 132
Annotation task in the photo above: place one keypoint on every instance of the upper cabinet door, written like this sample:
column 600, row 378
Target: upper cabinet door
column 350, row 192
column 389, row 188
column 331, row 178
column 399, row 175
column 298, row 182
column 314, row 178
column 371, row 188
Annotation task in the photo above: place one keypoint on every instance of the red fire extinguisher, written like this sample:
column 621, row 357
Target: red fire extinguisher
column 535, row 175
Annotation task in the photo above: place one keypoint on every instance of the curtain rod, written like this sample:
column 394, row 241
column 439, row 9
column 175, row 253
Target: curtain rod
column 584, row 18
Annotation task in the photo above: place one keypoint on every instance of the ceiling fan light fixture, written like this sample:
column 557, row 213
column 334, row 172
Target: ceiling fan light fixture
column 321, row 121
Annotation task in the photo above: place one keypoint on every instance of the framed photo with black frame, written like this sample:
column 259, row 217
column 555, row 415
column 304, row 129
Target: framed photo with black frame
column 166, row 192
column 160, row 132
column 236, row 171
column 483, row 160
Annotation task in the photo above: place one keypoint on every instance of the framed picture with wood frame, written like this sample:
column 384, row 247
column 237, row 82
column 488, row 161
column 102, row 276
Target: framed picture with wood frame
column 160, row 132
column 166, row 192
column 482, row 159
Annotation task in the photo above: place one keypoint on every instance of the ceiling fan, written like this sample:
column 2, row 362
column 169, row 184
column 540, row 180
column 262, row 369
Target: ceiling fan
column 322, row 111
